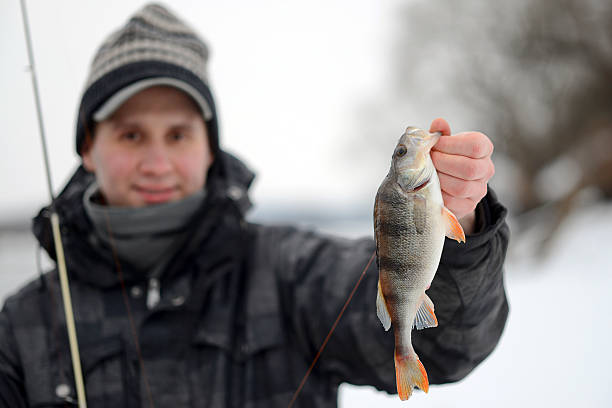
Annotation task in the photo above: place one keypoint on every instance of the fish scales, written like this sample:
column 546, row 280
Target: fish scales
column 410, row 223
column 407, row 250
column 399, row 238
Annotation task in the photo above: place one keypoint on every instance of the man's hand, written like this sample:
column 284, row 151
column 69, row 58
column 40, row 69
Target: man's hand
column 464, row 166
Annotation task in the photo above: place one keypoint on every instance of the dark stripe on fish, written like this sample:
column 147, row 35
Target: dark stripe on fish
column 420, row 213
column 393, row 229
column 389, row 197
column 397, row 265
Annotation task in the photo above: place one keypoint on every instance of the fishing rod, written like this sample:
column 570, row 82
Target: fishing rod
column 55, row 225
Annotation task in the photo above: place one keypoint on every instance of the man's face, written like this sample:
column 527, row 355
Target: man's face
column 153, row 149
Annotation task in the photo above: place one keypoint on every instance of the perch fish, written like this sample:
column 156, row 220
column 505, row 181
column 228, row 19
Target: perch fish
column 410, row 223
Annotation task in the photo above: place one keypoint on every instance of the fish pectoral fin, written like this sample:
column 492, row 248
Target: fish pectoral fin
column 381, row 309
column 425, row 316
column 453, row 228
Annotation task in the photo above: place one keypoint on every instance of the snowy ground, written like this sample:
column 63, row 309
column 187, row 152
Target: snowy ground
column 555, row 350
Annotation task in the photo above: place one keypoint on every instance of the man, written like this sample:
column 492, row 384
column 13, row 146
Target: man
column 180, row 302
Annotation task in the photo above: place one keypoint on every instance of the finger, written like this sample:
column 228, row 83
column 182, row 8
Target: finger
column 460, row 188
column 459, row 206
column 471, row 144
column 463, row 167
column 440, row 125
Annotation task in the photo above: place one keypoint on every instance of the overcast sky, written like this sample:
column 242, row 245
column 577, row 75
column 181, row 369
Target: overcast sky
column 287, row 78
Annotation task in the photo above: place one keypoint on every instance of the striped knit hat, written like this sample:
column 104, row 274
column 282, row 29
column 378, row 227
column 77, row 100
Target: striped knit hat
column 153, row 48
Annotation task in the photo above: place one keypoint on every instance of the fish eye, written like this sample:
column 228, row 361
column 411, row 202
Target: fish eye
column 400, row 151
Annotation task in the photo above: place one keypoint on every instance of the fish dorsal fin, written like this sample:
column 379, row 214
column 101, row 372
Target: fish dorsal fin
column 381, row 309
column 453, row 228
column 425, row 316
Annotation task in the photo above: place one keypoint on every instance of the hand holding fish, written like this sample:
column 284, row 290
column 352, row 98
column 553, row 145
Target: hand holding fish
column 464, row 166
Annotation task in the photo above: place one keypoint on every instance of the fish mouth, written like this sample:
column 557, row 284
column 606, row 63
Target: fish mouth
column 424, row 141
column 432, row 139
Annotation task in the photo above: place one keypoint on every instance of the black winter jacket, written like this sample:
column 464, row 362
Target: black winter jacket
column 243, row 311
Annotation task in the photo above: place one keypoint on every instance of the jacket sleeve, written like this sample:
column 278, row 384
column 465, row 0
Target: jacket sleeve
column 467, row 291
column 12, row 391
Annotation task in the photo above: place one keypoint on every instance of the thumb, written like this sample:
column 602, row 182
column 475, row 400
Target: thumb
column 440, row 125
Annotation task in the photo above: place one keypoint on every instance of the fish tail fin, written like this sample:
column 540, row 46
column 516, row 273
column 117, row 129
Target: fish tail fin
column 409, row 372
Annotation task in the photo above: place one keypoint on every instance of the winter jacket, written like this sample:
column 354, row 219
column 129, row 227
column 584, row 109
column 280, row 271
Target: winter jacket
column 243, row 310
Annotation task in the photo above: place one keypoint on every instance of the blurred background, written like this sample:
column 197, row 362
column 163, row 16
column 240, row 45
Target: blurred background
column 313, row 96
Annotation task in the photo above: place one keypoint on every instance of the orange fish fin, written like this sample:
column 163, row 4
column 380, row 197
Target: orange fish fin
column 425, row 316
column 381, row 309
column 409, row 372
column 453, row 228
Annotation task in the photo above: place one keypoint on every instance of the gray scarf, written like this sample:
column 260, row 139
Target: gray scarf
column 145, row 237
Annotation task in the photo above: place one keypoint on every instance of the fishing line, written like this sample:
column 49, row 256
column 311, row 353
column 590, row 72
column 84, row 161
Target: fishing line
column 55, row 225
column 297, row 392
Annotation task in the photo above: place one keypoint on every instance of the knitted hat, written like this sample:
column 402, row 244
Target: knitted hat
column 153, row 48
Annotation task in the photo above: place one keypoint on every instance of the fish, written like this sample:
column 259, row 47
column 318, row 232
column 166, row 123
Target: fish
column 410, row 226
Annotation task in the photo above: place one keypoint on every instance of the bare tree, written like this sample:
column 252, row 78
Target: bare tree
column 537, row 74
